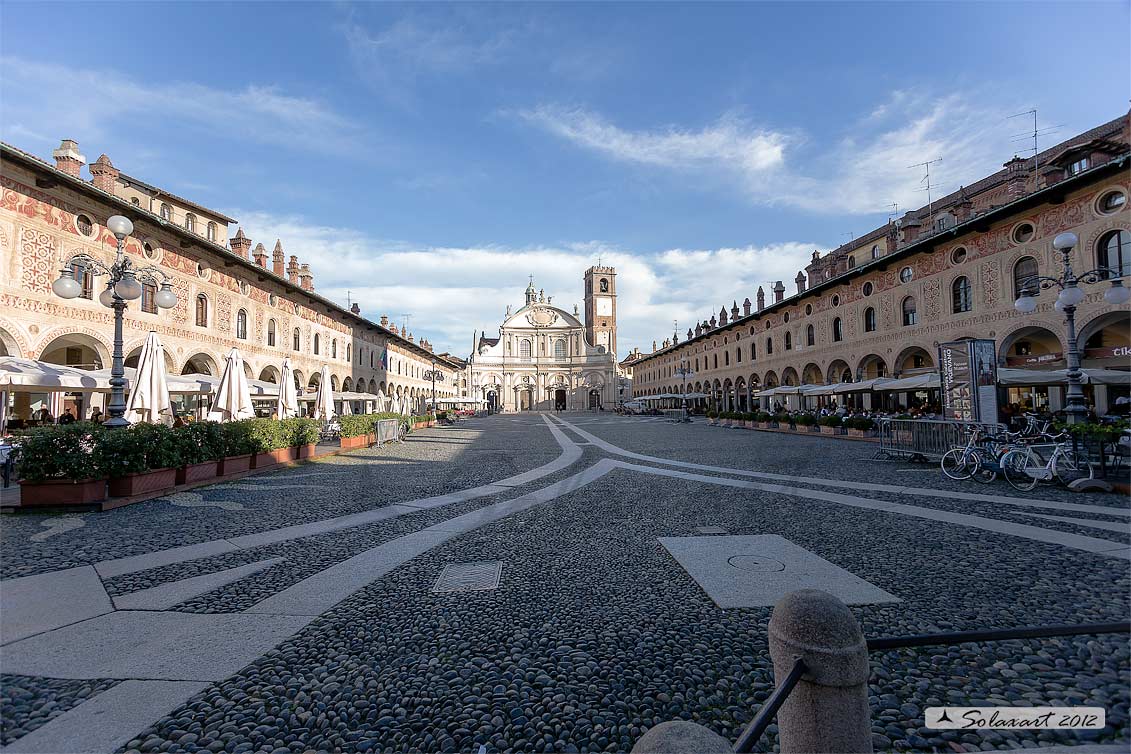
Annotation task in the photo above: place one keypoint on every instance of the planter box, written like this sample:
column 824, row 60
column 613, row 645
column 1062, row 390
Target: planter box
column 270, row 458
column 352, row 443
column 371, row 439
column 303, row 451
column 233, row 465
column 832, row 430
column 196, row 472
column 140, row 484
column 62, row 492
column 861, row 433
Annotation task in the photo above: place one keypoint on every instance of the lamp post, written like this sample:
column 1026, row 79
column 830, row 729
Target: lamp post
column 434, row 374
column 124, row 284
column 1066, row 301
column 684, row 372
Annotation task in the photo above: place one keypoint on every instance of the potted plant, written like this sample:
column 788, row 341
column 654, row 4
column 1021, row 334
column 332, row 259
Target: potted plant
column 237, row 447
column 712, row 417
column 860, row 426
column 301, row 435
column 764, row 419
column 268, row 442
column 139, row 459
column 199, row 447
column 782, row 420
column 748, row 420
column 832, row 425
column 58, row 466
column 355, row 430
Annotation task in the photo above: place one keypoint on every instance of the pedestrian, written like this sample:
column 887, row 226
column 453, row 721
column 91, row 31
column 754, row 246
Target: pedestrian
column 67, row 417
column 96, row 414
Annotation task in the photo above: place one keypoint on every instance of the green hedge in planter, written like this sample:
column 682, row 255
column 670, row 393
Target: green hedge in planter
column 860, row 422
column 356, row 425
column 137, row 449
column 783, row 418
column 712, row 414
column 65, row 451
column 300, row 431
column 764, row 416
column 199, row 442
column 805, row 420
column 831, row 421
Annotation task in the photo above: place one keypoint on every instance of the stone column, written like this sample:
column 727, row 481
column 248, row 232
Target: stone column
column 828, row 708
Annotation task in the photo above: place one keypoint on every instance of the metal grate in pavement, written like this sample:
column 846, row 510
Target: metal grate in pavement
column 480, row 576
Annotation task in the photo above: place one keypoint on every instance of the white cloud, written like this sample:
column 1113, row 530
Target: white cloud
column 38, row 97
column 863, row 172
column 451, row 292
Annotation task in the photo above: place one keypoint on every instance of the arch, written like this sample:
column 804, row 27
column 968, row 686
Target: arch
column 812, row 374
column 9, row 344
column 300, row 383
column 870, row 367
column 770, row 379
column 909, row 311
column 312, row 383
column 1110, row 330
column 347, row 384
column 201, row 363
column 789, row 376
column 1113, row 251
column 84, row 350
column 524, row 351
column 133, row 357
column 269, row 373
column 838, row 371
column 190, row 222
column 247, row 372
column 1028, row 344
column 913, row 360
column 334, row 383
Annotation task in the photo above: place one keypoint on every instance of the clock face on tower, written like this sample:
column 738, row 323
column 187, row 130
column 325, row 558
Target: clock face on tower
column 604, row 307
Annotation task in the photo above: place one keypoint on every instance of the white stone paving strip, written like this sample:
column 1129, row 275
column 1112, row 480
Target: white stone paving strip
column 57, row 525
column 1122, row 527
column 1075, row 541
column 34, row 604
column 107, row 721
column 823, row 482
column 173, row 593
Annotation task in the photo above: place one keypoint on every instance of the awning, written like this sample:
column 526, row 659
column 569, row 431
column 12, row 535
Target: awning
column 862, row 386
column 29, row 374
column 1032, row 377
column 926, row 381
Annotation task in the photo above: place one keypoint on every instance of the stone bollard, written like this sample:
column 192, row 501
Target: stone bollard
column 828, row 709
column 681, row 737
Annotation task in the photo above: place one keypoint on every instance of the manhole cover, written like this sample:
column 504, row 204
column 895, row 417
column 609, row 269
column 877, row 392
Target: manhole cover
column 755, row 563
column 469, row 577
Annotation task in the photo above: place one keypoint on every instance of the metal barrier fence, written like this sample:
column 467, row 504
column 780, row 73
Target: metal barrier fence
column 388, row 430
column 924, row 440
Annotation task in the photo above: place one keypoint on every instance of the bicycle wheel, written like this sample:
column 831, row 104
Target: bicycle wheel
column 1067, row 467
column 956, row 463
column 983, row 468
column 1013, row 466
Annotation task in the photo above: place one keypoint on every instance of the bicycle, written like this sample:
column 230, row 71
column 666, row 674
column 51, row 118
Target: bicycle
column 1025, row 467
column 971, row 460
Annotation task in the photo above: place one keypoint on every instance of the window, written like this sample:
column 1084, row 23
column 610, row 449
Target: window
column 785, row 317
column 190, row 223
column 838, row 330
column 716, row 360
column 604, row 285
column 1115, row 253
column 211, row 232
column 296, row 340
column 769, row 346
column 559, row 349
column 334, row 348
column 1112, row 201
column 317, row 342
column 789, row 341
column 906, row 275
column 810, row 336
column 84, row 225
column 241, row 324
column 869, row 320
column 148, row 302
column 166, row 213
column 910, row 316
column 851, row 262
column 349, row 353
column 958, row 256
column 876, row 251
column 726, row 358
column 135, row 201
column 868, row 289
column 524, row 349
column 84, row 279
column 1078, row 167
column 270, row 332
column 738, row 356
column 201, row 310
column 960, row 295
column 149, row 250
column 836, row 300
column 808, row 310
column 1023, row 273
column 1023, row 233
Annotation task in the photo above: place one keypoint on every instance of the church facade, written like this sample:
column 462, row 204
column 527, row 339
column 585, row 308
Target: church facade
column 546, row 359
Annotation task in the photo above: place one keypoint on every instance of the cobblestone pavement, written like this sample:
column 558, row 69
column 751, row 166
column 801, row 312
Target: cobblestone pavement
column 308, row 619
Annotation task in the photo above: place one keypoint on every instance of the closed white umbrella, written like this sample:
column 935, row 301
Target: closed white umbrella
column 382, row 401
column 149, row 389
column 395, row 404
column 287, row 404
column 324, row 399
column 347, row 409
column 233, row 396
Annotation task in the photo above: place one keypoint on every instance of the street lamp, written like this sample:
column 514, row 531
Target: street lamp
column 1067, row 300
column 434, row 374
column 684, row 371
column 124, row 284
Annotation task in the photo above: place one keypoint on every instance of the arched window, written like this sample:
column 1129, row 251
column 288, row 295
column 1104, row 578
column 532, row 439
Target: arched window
column 910, row 315
column 604, row 285
column 769, row 346
column 869, row 320
column 241, row 324
column 190, row 223
column 753, row 351
column 876, row 251
column 524, row 349
column 296, row 340
column 270, row 332
column 135, row 201
column 149, row 298
column 851, row 262
column 716, row 360
column 810, row 336
column 838, row 330
column 961, row 295
column 1023, row 273
column 317, row 342
column 166, row 213
column 334, row 348
column 1114, row 253
column 85, row 280
column 737, row 355
column 349, row 353
column 559, row 349
column 212, row 232
column 201, row 310
column 726, row 358
column 789, row 341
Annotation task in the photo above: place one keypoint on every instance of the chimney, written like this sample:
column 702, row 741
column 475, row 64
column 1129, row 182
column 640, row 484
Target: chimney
column 779, row 292
column 241, row 244
column 385, row 321
column 355, row 309
column 761, row 298
column 722, row 317
column 733, row 311
column 260, row 255
column 746, row 307
column 411, row 339
column 698, row 330
column 800, row 280
column 104, row 175
column 292, row 270
column 1018, row 176
column 654, row 349
column 277, row 265
column 68, row 159
column 714, row 323
column 689, row 333
column 306, row 279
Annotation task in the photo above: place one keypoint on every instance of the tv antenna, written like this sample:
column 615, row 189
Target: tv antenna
column 1034, row 135
column 927, row 179
column 406, row 320
column 894, row 210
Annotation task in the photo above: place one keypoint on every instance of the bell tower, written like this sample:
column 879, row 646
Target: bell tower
column 601, row 307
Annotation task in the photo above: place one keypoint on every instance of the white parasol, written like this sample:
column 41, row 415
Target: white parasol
column 149, row 389
column 233, row 396
column 287, row 404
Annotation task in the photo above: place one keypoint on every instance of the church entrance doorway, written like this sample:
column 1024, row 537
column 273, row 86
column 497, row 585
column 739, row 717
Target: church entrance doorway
column 559, row 400
column 492, row 402
column 594, row 399
column 525, row 400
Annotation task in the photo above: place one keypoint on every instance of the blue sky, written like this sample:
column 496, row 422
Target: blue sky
column 427, row 158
